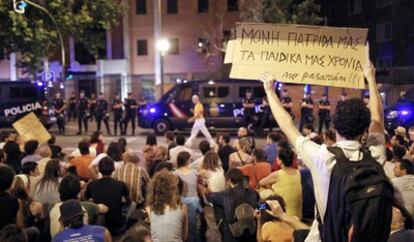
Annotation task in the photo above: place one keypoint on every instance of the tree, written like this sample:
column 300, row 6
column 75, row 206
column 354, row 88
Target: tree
column 34, row 36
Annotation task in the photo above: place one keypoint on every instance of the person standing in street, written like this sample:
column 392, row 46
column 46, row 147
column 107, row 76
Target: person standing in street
column 344, row 97
column 199, row 123
column 287, row 102
column 324, row 113
column 92, row 105
column 82, row 112
column 101, row 113
column 306, row 111
column 117, row 109
column 265, row 120
column 59, row 107
column 248, row 109
column 131, row 106
column 72, row 106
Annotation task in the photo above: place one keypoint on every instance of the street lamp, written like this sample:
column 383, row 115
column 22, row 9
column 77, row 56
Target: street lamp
column 163, row 45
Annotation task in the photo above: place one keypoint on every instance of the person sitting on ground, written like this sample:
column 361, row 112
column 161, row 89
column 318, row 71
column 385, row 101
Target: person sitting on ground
column 271, row 228
column 32, row 172
column 243, row 133
column 122, row 142
column 397, row 154
column 13, row 233
column 188, row 175
column 270, row 148
column 257, row 169
column 397, row 140
column 150, row 161
column 30, row 151
column 151, row 141
column 70, row 188
column 56, row 149
column 309, row 131
column 83, row 162
column 329, row 138
column 140, row 235
column 72, row 219
column 404, row 183
column 46, row 190
column 164, row 166
column 399, row 230
column 97, row 142
column 211, row 173
column 168, row 216
column 178, row 149
column 98, row 191
column 204, row 147
column 242, row 154
column 76, row 152
column 351, row 119
column 401, row 131
column 170, row 140
column 134, row 177
column 225, row 150
column 13, row 155
column 114, row 152
column 9, row 205
column 46, row 153
column 226, row 202
column 161, row 154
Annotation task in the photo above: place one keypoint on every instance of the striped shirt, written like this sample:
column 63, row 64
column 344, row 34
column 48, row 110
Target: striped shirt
column 134, row 177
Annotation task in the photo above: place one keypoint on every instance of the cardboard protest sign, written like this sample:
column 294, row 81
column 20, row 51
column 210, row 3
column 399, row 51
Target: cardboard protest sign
column 299, row 54
column 30, row 128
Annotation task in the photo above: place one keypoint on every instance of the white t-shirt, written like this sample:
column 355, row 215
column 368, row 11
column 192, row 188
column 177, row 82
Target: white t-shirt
column 405, row 186
column 321, row 162
column 177, row 150
column 95, row 162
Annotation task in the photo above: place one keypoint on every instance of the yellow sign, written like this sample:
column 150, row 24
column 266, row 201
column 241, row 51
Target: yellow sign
column 299, row 54
column 30, row 128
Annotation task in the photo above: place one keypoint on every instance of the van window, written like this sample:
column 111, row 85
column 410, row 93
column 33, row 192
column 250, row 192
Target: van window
column 184, row 94
column 243, row 90
column 22, row 92
column 259, row 92
column 223, row 92
column 209, row 92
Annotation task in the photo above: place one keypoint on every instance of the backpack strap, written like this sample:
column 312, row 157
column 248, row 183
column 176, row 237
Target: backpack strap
column 339, row 154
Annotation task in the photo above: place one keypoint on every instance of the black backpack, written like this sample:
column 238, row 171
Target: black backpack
column 361, row 195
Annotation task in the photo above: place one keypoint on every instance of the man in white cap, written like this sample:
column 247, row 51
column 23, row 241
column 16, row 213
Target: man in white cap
column 199, row 123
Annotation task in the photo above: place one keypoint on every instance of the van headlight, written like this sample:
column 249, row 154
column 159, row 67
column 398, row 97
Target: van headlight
column 392, row 115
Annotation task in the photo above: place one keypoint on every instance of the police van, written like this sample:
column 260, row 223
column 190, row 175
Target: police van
column 222, row 100
column 401, row 113
column 18, row 98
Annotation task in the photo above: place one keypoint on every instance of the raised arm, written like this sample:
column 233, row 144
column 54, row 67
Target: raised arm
column 282, row 117
column 375, row 103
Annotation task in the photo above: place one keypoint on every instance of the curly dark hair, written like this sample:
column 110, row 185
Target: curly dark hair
column 352, row 118
column 163, row 192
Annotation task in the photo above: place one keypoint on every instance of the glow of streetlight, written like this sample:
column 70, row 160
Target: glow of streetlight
column 163, row 45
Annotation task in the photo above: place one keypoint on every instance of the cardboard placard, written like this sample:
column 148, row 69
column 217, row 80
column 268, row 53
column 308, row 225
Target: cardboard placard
column 302, row 54
column 30, row 128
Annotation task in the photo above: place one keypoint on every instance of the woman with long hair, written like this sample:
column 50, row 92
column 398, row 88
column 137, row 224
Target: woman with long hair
column 211, row 172
column 242, row 155
column 47, row 188
column 151, row 141
column 14, row 155
column 96, row 142
column 114, row 151
column 168, row 216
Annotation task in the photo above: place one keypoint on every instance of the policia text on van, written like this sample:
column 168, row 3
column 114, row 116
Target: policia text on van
column 222, row 100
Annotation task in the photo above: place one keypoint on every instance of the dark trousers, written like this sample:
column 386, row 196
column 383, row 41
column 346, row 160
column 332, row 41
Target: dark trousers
column 324, row 120
column 82, row 118
column 92, row 110
column 117, row 122
column 60, row 120
column 265, row 122
column 72, row 113
column 128, row 118
column 305, row 118
column 104, row 118
column 248, row 119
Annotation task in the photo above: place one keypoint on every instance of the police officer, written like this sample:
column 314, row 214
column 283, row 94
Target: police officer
column 249, row 109
column 131, row 106
column 92, row 105
column 287, row 101
column 324, row 113
column 59, row 107
column 344, row 97
column 265, row 120
column 117, row 109
column 83, row 112
column 72, row 106
column 306, row 111
column 101, row 113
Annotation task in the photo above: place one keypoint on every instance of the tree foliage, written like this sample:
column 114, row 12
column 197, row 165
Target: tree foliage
column 34, row 36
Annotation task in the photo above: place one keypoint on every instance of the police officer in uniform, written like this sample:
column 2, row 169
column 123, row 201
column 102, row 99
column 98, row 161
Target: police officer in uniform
column 92, row 105
column 249, row 109
column 324, row 113
column 117, row 109
column 131, row 106
column 306, row 111
column 344, row 97
column 83, row 112
column 59, row 107
column 101, row 113
column 265, row 120
column 72, row 106
column 287, row 102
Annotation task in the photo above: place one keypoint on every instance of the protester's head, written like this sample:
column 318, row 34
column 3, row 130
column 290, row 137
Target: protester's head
column 266, row 216
column 114, row 151
column 219, row 138
column 164, row 166
column 140, row 235
column 397, row 140
column 163, row 192
column 12, row 150
column 242, row 132
column 283, row 144
column 351, row 119
column 83, row 147
column 318, row 139
column 170, row 136
column 329, row 137
column 69, row 188
column 308, row 129
column 149, row 154
column 151, row 140
column 30, row 147
column 195, row 99
column 225, row 139
column 286, row 157
column 6, row 177
column 134, row 159
column 71, row 214
column 96, row 137
column 245, row 145
column 44, row 151
column 52, row 172
column 106, row 166
column 204, row 147
column 259, row 155
column 13, row 233
column 180, row 140
column 274, row 137
column 161, row 153
column 30, row 168
column 403, row 168
column 398, row 152
column 21, row 187
column 234, row 176
column 183, row 159
column 52, row 140
column 122, row 144
column 211, row 161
